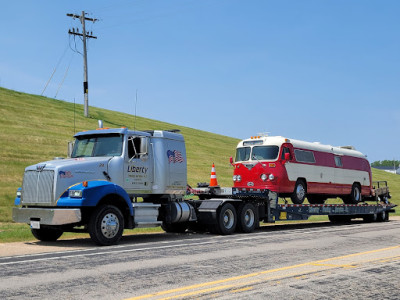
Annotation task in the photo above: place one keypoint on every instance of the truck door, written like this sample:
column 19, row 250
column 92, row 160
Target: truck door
column 138, row 165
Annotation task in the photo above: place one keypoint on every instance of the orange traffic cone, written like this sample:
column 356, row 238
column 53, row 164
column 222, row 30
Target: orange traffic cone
column 213, row 179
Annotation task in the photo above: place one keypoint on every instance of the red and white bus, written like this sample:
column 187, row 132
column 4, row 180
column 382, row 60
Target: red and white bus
column 302, row 169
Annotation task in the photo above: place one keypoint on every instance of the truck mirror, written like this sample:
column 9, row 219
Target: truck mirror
column 70, row 148
column 143, row 145
column 231, row 160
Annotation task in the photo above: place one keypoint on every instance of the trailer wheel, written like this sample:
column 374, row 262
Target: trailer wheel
column 247, row 219
column 47, row 234
column 226, row 220
column 175, row 227
column 337, row 219
column 383, row 217
column 370, row 218
column 106, row 225
column 355, row 196
column 299, row 193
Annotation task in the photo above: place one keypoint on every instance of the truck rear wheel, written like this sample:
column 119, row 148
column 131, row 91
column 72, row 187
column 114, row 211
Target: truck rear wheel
column 106, row 225
column 247, row 218
column 226, row 220
column 299, row 193
column 47, row 234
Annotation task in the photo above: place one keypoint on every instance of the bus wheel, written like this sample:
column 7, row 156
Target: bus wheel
column 355, row 196
column 226, row 220
column 247, row 218
column 299, row 192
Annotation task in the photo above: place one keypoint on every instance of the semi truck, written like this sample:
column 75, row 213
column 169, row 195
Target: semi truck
column 116, row 179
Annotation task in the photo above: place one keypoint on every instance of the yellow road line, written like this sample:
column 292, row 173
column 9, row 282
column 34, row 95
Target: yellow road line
column 231, row 279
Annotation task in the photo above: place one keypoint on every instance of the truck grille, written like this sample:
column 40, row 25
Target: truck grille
column 37, row 187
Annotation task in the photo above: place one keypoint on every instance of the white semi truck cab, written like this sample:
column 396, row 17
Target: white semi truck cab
column 114, row 179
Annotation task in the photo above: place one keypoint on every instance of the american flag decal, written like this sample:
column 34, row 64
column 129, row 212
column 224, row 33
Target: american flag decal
column 174, row 156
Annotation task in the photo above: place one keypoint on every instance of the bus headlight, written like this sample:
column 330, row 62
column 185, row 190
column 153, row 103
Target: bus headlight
column 263, row 177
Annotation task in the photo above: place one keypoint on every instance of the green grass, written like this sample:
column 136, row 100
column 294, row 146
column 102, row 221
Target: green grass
column 35, row 129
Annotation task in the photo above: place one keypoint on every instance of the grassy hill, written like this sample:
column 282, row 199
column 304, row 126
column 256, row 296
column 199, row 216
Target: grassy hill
column 35, row 128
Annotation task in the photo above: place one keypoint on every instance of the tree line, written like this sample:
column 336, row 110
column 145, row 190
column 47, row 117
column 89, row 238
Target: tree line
column 386, row 163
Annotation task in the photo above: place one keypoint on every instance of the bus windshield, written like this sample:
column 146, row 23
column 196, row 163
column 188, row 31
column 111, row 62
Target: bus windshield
column 98, row 145
column 265, row 153
column 242, row 154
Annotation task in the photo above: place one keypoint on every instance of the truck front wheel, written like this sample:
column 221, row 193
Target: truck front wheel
column 106, row 225
column 47, row 234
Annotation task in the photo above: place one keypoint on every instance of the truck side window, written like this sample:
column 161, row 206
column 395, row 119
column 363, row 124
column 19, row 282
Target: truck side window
column 133, row 147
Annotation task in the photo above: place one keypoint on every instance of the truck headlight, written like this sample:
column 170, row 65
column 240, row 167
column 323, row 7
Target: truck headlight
column 271, row 177
column 234, row 177
column 75, row 193
column 239, row 178
column 263, row 177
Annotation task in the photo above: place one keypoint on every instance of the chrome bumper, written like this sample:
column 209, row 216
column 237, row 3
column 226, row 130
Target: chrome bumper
column 47, row 216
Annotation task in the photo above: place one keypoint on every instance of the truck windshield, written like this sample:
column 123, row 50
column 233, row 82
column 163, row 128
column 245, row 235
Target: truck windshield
column 242, row 154
column 265, row 153
column 98, row 145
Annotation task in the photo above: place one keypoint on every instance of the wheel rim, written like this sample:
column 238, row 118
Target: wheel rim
column 109, row 225
column 228, row 219
column 249, row 218
column 300, row 191
column 356, row 194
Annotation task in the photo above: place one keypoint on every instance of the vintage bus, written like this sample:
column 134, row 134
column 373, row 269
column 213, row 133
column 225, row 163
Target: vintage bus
column 299, row 169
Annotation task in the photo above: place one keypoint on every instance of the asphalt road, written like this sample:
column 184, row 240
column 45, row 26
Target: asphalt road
column 311, row 261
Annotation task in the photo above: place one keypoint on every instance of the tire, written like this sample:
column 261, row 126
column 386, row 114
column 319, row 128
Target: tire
column 247, row 218
column 383, row 216
column 226, row 220
column 175, row 227
column 370, row 218
column 106, row 225
column 299, row 193
column 47, row 234
column 316, row 199
column 337, row 219
column 355, row 196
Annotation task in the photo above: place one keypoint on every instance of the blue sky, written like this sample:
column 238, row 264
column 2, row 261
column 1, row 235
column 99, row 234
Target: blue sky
column 322, row 70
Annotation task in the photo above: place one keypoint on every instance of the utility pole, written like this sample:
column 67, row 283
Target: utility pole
column 85, row 35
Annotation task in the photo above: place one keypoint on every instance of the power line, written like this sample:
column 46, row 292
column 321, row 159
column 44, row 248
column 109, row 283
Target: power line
column 85, row 35
column 52, row 74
